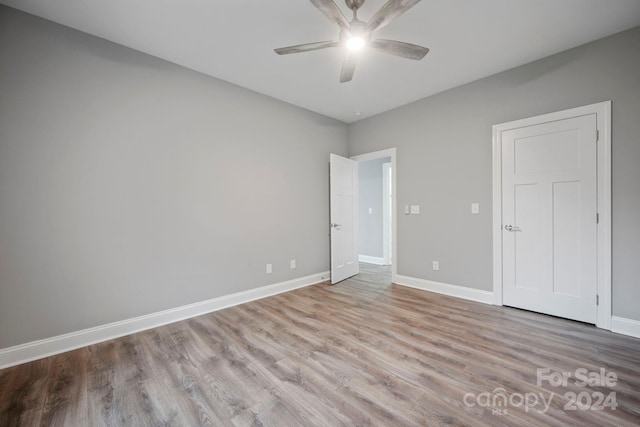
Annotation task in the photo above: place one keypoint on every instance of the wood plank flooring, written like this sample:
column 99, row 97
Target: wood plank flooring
column 362, row 352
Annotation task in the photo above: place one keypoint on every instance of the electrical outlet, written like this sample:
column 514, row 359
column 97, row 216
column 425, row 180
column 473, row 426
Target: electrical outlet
column 293, row 264
column 475, row 208
column 436, row 265
column 269, row 269
column 415, row 209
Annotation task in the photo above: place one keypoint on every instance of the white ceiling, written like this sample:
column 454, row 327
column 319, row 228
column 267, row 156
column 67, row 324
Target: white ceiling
column 233, row 40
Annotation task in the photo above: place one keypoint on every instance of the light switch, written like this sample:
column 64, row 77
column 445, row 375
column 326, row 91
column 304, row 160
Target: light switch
column 475, row 208
column 370, row 211
column 415, row 209
column 406, row 210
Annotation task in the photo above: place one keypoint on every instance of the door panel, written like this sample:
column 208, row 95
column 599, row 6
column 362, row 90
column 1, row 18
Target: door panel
column 549, row 211
column 526, row 244
column 566, row 238
column 344, row 227
column 546, row 153
column 337, row 250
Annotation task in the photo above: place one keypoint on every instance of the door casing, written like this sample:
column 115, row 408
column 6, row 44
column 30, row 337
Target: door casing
column 602, row 110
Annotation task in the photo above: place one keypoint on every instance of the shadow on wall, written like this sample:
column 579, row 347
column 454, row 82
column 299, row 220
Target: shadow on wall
column 91, row 46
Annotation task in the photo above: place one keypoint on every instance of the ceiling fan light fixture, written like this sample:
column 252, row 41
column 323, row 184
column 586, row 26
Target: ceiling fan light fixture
column 355, row 43
column 357, row 34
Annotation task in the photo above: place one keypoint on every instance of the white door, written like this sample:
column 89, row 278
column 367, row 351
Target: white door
column 549, row 218
column 343, row 181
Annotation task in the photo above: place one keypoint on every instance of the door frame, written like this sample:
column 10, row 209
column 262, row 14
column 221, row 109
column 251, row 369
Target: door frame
column 602, row 110
column 389, row 152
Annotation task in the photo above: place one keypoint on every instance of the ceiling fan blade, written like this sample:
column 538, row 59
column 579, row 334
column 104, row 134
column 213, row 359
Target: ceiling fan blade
column 401, row 49
column 332, row 11
column 348, row 68
column 390, row 11
column 305, row 47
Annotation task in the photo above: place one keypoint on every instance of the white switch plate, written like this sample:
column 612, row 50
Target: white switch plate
column 370, row 211
column 415, row 209
column 475, row 208
column 436, row 265
column 293, row 264
column 406, row 210
column 269, row 269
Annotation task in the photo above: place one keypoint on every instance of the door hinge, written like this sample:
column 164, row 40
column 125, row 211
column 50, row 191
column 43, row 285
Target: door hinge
column 597, row 135
column 597, row 218
column 597, row 299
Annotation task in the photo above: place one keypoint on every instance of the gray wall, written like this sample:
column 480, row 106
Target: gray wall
column 370, row 196
column 130, row 185
column 444, row 160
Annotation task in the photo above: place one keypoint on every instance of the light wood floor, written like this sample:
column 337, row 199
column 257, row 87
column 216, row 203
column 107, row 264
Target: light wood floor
column 362, row 352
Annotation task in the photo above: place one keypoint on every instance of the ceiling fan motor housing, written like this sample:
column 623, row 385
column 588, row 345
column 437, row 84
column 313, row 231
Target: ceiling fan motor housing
column 357, row 28
column 354, row 4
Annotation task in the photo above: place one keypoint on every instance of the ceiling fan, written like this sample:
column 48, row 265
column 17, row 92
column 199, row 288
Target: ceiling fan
column 357, row 34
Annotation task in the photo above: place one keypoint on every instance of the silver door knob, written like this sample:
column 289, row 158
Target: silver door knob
column 510, row 227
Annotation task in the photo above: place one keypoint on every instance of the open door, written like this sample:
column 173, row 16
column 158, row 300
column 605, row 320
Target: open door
column 343, row 182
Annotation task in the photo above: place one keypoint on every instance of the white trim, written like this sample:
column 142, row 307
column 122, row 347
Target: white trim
column 23, row 353
column 497, row 215
column 371, row 259
column 463, row 292
column 389, row 152
column 602, row 110
column 604, row 209
column 621, row 325
column 381, row 154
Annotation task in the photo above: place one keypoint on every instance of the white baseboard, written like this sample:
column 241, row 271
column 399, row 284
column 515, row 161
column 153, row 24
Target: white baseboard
column 621, row 325
column 446, row 289
column 23, row 353
column 371, row 259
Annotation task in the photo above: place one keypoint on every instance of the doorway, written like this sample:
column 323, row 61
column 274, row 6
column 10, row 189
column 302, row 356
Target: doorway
column 377, row 210
column 387, row 212
column 552, row 214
